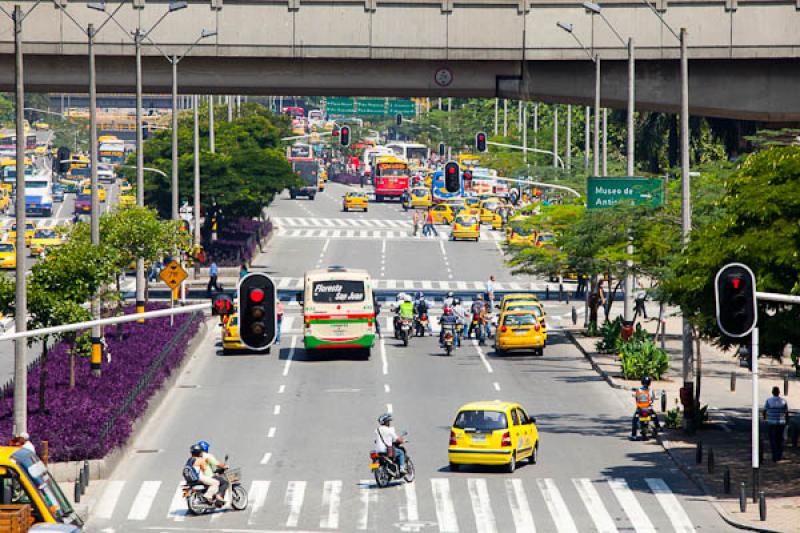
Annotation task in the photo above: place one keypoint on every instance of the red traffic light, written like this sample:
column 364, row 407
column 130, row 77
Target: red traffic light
column 736, row 282
column 452, row 170
column 481, row 137
column 256, row 296
column 335, row 133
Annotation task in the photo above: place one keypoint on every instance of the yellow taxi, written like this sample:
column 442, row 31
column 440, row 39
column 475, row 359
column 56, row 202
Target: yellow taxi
column 44, row 239
column 545, row 239
column 5, row 196
column 466, row 226
column 230, row 335
column 520, row 234
column 8, row 255
column 101, row 191
column 497, row 222
column 443, row 214
column 30, row 227
column 456, row 204
column 516, row 296
column 472, row 201
column 488, row 209
column 421, row 197
column 355, row 200
column 125, row 186
column 493, row 433
column 519, row 330
column 528, row 306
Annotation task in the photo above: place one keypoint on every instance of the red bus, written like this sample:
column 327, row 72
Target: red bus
column 391, row 177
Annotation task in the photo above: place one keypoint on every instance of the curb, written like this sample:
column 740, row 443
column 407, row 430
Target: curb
column 665, row 444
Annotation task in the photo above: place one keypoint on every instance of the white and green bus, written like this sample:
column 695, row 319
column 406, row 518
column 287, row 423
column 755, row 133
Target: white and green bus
column 338, row 310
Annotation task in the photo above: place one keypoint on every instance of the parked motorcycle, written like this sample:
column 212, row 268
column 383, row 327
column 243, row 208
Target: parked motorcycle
column 235, row 496
column 386, row 469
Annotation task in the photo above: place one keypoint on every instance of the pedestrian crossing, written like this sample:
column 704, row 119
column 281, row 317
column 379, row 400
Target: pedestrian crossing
column 443, row 234
column 6, row 223
column 314, row 222
column 444, row 504
column 287, row 283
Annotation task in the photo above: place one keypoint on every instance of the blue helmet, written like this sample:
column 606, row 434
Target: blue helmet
column 204, row 445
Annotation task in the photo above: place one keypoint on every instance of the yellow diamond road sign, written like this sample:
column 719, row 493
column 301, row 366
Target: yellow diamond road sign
column 173, row 274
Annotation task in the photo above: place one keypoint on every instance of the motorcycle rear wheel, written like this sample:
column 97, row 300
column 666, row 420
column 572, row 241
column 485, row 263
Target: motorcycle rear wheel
column 239, row 498
column 382, row 477
column 448, row 349
column 411, row 474
column 405, row 338
column 195, row 504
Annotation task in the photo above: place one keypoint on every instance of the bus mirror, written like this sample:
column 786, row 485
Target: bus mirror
column 299, row 298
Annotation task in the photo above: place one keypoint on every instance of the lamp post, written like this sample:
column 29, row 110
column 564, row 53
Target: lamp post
column 21, row 312
column 567, row 27
column 196, row 104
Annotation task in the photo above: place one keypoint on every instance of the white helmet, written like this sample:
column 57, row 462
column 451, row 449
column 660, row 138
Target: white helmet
column 407, row 298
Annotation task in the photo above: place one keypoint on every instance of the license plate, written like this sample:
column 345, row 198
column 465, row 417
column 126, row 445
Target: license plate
column 520, row 332
column 374, row 466
column 479, row 438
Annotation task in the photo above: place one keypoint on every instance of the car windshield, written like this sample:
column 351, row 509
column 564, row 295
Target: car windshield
column 356, row 195
column 6, row 247
column 480, row 420
column 467, row 221
column 47, row 487
column 519, row 320
column 525, row 307
column 45, row 234
column 522, row 231
column 420, row 193
column 546, row 238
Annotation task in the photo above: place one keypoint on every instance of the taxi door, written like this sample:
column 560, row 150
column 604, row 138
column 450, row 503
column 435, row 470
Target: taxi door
column 529, row 430
column 442, row 214
column 517, row 433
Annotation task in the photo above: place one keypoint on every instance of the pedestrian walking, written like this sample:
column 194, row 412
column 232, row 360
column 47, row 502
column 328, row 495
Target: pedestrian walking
column 580, row 290
column 776, row 413
column 490, row 290
column 279, row 317
column 377, row 307
column 415, row 221
column 213, row 273
column 243, row 270
column 429, row 224
column 641, row 297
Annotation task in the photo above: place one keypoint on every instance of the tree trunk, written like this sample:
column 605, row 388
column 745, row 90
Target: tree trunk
column 699, row 368
column 119, row 310
column 43, row 376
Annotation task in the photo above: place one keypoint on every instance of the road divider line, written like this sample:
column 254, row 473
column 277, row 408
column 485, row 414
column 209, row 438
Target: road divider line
column 555, row 504
column 281, row 389
column 641, row 523
column 325, row 245
column 331, row 498
column 388, row 408
column 257, row 497
column 591, row 499
column 384, row 361
column 266, row 458
column 672, row 507
column 271, row 432
column 276, row 410
column 295, row 493
column 144, row 500
column 290, row 356
column 386, row 388
column 496, row 386
column 366, row 494
column 108, row 501
column 481, row 506
column 409, row 512
column 485, row 361
column 445, row 510
column 520, row 510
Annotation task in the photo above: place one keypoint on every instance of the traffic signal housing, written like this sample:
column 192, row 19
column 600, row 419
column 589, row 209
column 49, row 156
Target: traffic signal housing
column 257, row 316
column 441, row 149
column 480, row 141
column 398, row 118
column 344, row 135
column 221, row 305
column 452, row 177
column 735, row 295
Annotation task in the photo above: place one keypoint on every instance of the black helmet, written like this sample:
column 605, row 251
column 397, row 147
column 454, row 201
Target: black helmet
column 456, row 301
column 646, row 381
column 195, row 449
column 385, row 418
column 479, row 297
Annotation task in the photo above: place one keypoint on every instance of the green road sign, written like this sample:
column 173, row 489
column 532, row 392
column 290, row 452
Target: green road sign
column 337, row 106
column 607, row 192
column 406, row 107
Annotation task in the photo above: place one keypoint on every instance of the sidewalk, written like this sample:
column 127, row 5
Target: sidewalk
column 728, row 430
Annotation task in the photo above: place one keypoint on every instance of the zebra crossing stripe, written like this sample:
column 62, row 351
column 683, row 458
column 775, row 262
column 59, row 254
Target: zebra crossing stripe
column 288, row 322
column 107, row 503
column 445, row 510
column 641, row 523
column 367, row 495
column 671, row 505
column 555, row 504
column 409, row 512
column 331, row 498
column 144, row 500
column 257, row 496
column 295, row 493
column 481, row 506
column 520, row 510
column 591, row 499
column 177, row 507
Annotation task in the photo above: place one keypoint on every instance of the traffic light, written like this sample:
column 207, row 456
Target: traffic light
column 257, row 317
column 335, row 131
column 480, row 141
column 344, row 135
column 398, row 118
column 735, row 294
column 452, row 177
column 221, row 305
column 467, row 175
column 441, row 149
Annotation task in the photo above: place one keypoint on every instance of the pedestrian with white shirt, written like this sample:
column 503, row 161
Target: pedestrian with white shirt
column 776, row 413
column 490, row 290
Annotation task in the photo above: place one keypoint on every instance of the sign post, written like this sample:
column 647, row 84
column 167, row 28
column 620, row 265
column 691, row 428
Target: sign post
column 173, row 275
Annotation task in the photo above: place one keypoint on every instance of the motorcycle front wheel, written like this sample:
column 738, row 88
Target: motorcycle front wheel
column 195, row 504
column 382, row 476
column 409, row 477
column 239, row 498
column 405, row 338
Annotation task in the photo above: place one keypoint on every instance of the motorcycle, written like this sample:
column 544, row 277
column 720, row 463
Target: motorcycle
column 448, row 338
column 235, row 496
column 386, row 469
column 405, row 331
column 646, row 426
column 420, row 324
column 476, row 326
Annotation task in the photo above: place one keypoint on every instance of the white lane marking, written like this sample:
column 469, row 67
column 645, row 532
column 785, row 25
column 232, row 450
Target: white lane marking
column 482, row 356
column 383, row 246
column 520, row 510
column 556, row 506
column 496, row 386
column 105, row 507
column 325, row 245
column 295, row 492
column 641, row 523
column 177, row 507
column 367, row 495
column 331, row 498
column 289, row 357
column 257, row 497
column 671, row 505
column 271, row 432
column 409, row 512
column 281, row 389
column 481, row 506
column 445, row 510
column 384, row 361
column 386, row 388
column 266, row 458
column 591, row 499
column 276, row 410
column 388, row 408
column 144, row 500
column 287, row 323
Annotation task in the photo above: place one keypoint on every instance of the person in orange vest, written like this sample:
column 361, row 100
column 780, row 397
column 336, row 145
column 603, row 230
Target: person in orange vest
column 644, row 398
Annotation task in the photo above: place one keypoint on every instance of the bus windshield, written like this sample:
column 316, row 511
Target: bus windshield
column 337, row 291
column 37, row 184
column 419, row 154
column 392, row 169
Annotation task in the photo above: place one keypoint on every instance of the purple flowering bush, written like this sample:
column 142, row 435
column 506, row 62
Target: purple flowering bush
column 237, row 241
column 74, row 419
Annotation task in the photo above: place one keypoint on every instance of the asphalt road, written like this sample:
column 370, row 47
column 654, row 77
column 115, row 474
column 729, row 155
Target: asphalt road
column 300, row 426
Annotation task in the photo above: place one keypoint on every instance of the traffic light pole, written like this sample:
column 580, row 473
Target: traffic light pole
column 754, row 442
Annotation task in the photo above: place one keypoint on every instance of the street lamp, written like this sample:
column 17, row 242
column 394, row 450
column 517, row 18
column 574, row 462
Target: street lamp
column 567, row 27
column 138, row 37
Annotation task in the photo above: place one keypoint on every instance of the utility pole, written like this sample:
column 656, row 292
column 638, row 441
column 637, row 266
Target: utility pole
column 568, row 147
column 496, row 113
column 596, row 115
column 137, row 37
column 525, row 131
column 196, row 103
column 605, row 142
column 586, row 137
column 555, row 136
column 536, row 125
column 175, row 182
column 97, row 347
column 686, row 209
column 229, row 99
column 211, row 147
column 628, row 306
column 505, row 117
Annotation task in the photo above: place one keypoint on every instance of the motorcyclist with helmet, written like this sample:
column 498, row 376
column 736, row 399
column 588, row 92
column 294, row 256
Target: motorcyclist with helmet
column 448, row 318
column 199, row 466
column 476, row 323
column 644, row 398
column 387, row 441
column 449, row 300
column 405, row 309
column 421, row 309
column 462, row 316
column 214, row 468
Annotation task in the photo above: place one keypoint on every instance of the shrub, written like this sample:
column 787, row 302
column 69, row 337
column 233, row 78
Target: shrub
column 641, row 358
column 673, row 419
column 74, row 418
column 611, row 333
column 237, row 241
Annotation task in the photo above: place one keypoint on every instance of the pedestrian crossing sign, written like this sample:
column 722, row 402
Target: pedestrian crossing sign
column 173, row 275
